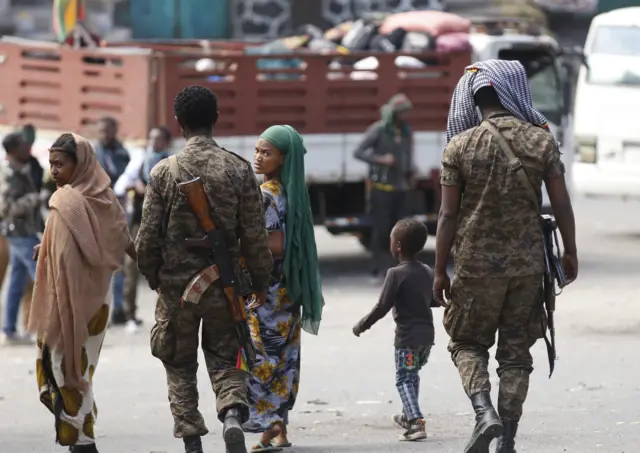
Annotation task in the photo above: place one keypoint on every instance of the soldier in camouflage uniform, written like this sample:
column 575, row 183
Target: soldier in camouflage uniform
column 499, row 261
column 167, row 220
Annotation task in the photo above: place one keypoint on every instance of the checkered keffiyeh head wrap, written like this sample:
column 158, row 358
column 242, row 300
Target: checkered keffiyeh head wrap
column 508, row 78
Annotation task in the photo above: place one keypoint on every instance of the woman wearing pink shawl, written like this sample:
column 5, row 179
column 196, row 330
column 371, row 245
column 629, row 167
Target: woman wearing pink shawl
column 84, row 241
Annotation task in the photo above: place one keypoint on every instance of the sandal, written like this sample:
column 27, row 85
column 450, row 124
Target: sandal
column 282, row 445
column 261, row 448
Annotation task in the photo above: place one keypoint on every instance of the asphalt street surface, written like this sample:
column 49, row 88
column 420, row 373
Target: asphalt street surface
column 347, row 393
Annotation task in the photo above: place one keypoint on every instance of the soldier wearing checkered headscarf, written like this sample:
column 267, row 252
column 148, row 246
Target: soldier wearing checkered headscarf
column 508, row 78
column 499, row 256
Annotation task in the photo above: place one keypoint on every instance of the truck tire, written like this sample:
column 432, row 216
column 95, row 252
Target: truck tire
column 365, row 238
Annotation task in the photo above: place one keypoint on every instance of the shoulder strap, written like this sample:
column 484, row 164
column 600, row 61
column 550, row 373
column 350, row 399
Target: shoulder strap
column 515, row 164
column 175, row 175
column 174, row 169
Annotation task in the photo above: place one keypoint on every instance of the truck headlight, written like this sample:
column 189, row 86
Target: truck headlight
column 586, row 149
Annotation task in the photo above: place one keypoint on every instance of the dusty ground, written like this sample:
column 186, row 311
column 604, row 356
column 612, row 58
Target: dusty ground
column 348, row 395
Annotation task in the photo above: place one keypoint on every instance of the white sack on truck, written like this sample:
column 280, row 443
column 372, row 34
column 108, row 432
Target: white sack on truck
column 434, row 23
column 364, row 69
column 418, row 42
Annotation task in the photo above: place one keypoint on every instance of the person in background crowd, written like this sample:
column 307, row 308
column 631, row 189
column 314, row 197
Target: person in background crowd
column 37, row 172
column 387, row 147
column 37, row 175
column 492, row 214
column 21, row 224
column 110, row 152
column 133, row 184
column 294, row 300
column 29, row 133
column 114, row 158
column 84, row 241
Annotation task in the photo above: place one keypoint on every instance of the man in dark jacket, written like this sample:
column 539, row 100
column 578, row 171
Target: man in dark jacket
column 132, row 184
column 21, row 224
column 113, row 158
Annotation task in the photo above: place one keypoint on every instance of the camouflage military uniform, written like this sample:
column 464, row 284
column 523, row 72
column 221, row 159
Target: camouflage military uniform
column 499, row 258
column 168, row 266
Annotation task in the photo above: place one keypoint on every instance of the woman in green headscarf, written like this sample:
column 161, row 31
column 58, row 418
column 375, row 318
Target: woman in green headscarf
column 295, row 299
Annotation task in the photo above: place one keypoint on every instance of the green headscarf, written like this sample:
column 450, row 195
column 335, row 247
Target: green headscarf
column 301, row 268
column 398, row 103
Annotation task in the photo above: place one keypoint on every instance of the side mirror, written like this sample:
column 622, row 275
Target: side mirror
column 576, row 52
column 584, row 61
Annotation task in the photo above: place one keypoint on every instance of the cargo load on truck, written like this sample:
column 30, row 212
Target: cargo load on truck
column 330, row 96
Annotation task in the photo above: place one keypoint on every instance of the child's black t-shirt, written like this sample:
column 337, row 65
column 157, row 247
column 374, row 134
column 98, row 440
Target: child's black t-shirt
column 408, row 290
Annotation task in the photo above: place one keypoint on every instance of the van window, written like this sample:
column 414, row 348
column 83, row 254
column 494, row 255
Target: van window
column 616, row 40
column 614, row 57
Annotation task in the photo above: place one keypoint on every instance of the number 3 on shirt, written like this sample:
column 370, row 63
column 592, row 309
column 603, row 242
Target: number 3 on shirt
column 407, row 360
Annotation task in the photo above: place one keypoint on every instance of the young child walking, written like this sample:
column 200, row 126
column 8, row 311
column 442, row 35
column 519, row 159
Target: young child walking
column 408, row 291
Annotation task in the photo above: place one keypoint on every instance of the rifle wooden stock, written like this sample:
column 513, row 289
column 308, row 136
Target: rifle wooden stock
column 197, row 199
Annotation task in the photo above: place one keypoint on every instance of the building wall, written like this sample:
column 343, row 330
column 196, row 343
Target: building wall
column 271, row 18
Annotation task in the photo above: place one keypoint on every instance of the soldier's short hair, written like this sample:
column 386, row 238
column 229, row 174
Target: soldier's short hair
column 196, row 107
column 412, row 235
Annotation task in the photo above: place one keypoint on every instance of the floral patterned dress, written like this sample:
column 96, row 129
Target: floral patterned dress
column 275, row 330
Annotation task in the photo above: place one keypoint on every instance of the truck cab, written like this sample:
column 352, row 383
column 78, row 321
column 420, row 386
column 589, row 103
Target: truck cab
column 548, row 73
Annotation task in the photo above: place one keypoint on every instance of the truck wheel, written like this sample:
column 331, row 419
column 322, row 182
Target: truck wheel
column 365, row 239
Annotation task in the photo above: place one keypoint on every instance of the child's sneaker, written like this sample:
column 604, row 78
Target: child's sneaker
column 415, row 431
column 401, row 421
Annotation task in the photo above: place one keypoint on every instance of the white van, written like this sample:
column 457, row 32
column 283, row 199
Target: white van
column 607, row 108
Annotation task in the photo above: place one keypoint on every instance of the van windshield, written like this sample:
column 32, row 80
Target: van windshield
column 614, row 57
column 616, row 40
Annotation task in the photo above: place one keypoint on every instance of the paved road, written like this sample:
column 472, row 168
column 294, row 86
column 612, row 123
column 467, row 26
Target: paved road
column 347, row 395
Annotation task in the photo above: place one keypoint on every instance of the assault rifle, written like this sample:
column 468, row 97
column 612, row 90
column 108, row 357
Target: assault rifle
column 215, row 240
column 553, row 274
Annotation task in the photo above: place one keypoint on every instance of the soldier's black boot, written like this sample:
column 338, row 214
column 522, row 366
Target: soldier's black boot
column 507, row 443
column 192, row 444
column 488, row 425
column 232, row 431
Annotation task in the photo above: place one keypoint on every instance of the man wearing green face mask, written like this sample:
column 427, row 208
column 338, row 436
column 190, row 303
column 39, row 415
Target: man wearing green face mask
column 387, row 147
